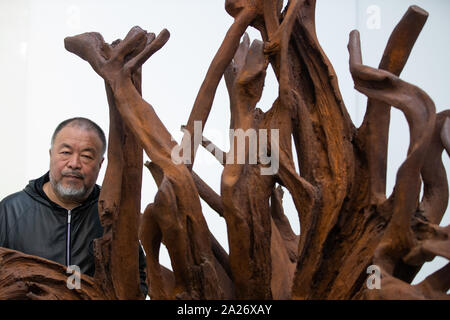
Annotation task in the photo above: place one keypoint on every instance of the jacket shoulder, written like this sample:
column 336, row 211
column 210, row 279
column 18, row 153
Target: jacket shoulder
column 15, row 204
column 12, row 209
column 14, row 198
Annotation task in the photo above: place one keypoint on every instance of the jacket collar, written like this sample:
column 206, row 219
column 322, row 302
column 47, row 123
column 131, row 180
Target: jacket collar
column 35, row 190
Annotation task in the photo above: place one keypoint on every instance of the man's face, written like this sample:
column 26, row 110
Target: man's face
column 75, row 161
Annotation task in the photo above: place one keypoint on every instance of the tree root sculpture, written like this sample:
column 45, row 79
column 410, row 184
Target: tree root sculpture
column 348, row 223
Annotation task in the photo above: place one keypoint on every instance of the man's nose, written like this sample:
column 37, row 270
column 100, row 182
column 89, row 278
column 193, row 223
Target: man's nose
column 74, row 162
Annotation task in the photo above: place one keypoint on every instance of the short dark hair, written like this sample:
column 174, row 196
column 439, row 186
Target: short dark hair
column 83, row 123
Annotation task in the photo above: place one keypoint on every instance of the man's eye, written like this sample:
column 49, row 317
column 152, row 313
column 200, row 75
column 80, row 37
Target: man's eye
column 65, row 152
column 87, row 156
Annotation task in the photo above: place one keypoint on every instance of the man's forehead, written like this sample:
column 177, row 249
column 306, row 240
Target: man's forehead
column 77, row 134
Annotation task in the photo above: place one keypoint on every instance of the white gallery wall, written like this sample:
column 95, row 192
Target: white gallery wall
column 42, row 84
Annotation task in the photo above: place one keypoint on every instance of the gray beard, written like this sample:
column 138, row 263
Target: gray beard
column 68, row 193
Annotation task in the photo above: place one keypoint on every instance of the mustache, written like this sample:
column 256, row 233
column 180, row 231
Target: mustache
column 72, row 173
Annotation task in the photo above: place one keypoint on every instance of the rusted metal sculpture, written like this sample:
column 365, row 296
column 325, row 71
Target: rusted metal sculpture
column 347, row 222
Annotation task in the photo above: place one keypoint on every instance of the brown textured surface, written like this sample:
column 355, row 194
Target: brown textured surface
column 347, row 221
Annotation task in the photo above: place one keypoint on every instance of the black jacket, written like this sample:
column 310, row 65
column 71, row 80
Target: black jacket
column 31, row 223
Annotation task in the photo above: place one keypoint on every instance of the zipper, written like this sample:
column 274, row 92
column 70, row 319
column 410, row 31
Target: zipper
column 69, row 217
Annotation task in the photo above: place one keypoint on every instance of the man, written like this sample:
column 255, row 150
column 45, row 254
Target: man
column 56, row 216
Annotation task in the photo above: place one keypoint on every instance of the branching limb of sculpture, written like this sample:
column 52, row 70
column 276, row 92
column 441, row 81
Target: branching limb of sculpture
column 373, row 133
column 399, row 243
column 420, row 113
column 244, row 78
column 185, row 226
column 247, row 216
column 435, row 182
column 245, row 12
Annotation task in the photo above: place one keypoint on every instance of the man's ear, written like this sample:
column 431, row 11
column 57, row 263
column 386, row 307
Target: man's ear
column 101, row 162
